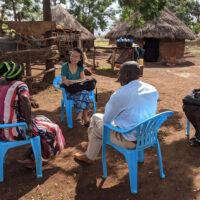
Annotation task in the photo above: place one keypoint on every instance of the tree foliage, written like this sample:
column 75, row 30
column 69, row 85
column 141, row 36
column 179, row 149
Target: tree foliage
column 143, row 10
column 92, row 14
column 22, row 9
column 183, row 10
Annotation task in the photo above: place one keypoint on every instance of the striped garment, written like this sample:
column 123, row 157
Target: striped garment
column 11, row 111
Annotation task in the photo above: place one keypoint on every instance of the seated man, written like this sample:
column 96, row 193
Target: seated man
column 191, row 107
column 133, row 103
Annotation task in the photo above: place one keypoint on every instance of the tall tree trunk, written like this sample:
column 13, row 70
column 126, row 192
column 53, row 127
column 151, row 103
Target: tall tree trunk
column 2, row 13
column 14, row 10
column 49, row 64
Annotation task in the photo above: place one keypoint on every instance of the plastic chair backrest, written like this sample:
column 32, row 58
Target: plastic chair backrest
column 23, row 125
column 147, row 130
column 57, row 82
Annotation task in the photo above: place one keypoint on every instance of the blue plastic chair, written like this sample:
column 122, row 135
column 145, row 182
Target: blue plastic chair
column 6, row 145
column 188, row 128
column 146, row 137
column 69, row 103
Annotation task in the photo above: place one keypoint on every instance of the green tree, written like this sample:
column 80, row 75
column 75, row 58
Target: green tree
column 143, row 10
column 196, row 28
column 183, row 9
column 21, row 9
column 55, row 2
column 92, row 14
column 196, row 11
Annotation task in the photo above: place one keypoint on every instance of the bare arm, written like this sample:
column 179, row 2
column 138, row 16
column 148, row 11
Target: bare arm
column 82, row 77
column 27, row 112
column 69, row 82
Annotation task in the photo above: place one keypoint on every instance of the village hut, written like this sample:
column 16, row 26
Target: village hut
column 161, row 38
column 62, row 17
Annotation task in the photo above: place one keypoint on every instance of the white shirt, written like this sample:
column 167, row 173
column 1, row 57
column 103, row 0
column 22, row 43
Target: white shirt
column 130, row 105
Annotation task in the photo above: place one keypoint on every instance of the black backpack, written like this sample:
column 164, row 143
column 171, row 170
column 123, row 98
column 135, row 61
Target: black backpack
column 87, row 84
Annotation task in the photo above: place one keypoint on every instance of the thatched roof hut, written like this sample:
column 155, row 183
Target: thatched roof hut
column 62, row 17
column 163, row 37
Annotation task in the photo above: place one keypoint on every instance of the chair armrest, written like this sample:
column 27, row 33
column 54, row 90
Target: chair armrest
column 118, row 129
column 22, row 124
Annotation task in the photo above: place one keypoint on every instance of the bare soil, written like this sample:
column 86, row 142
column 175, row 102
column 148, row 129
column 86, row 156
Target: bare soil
column 64, row 178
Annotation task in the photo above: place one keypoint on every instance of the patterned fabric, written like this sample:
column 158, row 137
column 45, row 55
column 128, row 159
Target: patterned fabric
column 81, row 100
column 52, row 140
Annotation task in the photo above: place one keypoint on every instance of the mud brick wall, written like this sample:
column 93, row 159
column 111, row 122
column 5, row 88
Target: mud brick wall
column 171, row 48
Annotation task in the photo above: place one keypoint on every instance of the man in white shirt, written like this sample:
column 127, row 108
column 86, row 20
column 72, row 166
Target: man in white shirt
column 133, row 103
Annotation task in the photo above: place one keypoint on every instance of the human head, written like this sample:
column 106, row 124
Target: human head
column 77, row 56
column 129, row 71
column 11, row 71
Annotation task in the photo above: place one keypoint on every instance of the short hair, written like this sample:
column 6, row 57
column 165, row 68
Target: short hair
column 129, row 71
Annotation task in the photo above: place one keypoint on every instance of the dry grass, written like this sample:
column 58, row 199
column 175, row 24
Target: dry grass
column 101, row 42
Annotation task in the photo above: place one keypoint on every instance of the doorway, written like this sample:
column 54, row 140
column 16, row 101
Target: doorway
column 151, row 49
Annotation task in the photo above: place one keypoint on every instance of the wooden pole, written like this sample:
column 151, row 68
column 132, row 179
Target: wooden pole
column 28, row 73
column 49, row 63
column 94, row 58
column 113, row 58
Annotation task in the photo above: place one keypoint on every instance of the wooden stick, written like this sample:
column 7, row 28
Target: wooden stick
column 44, row 72
column 94, row 58
column 113, row 58
column 13, row 42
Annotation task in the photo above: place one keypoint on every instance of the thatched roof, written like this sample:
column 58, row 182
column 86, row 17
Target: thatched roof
column 166, row 26
column 67, row 21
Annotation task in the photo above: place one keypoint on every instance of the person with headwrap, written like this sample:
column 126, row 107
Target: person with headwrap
column 15, row 106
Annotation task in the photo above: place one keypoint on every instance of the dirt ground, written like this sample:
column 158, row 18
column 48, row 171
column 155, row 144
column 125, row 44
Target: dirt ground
column 64, row 178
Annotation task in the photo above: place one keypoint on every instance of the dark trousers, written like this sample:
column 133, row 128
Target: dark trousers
column 192, row 113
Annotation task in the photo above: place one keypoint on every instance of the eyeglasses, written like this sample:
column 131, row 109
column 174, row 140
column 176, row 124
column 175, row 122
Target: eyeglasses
column 73, row 56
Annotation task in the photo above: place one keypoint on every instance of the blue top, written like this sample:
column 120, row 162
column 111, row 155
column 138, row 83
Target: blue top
column 65, row 71
column 130, row 105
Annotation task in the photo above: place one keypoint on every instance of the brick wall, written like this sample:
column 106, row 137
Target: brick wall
column 171, row 48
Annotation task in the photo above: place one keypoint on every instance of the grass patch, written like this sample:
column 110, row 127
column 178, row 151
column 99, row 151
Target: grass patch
column 192, row 51
column 107, row 68
column 102, row 42
column 193, row 42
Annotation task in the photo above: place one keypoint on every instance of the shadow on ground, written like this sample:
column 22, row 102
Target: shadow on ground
column 176, row 185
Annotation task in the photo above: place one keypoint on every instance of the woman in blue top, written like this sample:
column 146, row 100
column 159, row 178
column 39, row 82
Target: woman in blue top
column 73, row 72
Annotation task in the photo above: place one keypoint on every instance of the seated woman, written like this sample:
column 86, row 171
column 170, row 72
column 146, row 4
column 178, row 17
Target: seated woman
column 15, row 106
column 73, row 72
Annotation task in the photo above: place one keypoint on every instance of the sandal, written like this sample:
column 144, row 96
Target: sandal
column 87, row 124
column 79, row 121
column 194, row 142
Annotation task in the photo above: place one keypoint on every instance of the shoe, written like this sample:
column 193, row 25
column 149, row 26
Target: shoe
column 83, row 158
column 84, row 145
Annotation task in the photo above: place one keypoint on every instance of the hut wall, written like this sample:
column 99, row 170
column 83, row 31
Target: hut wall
column 112, row 41
column 171, row 48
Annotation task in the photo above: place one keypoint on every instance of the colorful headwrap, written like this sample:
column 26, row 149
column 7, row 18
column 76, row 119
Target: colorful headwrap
column 10, row 70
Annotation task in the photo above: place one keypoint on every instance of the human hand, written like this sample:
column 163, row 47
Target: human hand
column 34, row 104
column 68, row 82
